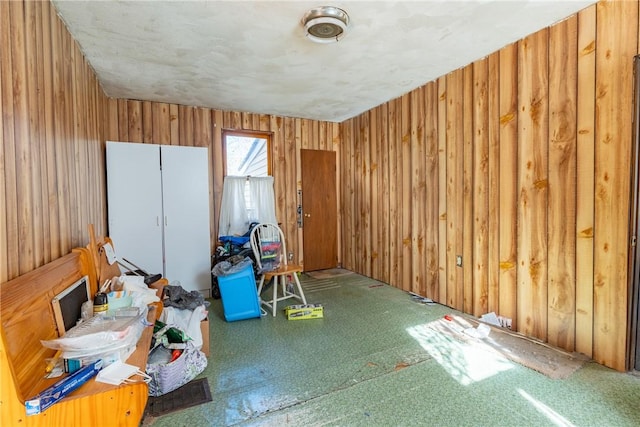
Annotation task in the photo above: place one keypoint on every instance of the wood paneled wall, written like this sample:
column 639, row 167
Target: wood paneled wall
column 52, row 148
column 159, row 123
column 519, row 164
column 56, row 119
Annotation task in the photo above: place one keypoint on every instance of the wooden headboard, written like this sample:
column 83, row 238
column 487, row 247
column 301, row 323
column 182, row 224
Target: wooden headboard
column 26, row 317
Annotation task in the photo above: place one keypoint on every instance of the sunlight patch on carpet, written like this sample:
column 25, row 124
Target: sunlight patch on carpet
column 545, row 410
column 467, row 362
column 468, row 358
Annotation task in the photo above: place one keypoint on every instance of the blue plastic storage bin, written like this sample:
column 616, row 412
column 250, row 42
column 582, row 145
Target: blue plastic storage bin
column 239, row 295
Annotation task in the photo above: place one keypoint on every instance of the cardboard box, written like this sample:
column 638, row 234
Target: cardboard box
column 304, row 311
column 204, row 329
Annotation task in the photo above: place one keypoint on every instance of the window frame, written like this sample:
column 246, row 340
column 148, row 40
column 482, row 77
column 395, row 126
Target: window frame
column 247, row 134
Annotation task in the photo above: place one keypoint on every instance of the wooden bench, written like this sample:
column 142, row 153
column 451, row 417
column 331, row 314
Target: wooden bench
column 26, row 318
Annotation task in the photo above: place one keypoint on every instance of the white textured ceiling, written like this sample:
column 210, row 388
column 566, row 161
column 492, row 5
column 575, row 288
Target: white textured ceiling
column 253, row 56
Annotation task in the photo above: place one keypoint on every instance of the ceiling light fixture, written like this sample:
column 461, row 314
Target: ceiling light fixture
column 325, row 24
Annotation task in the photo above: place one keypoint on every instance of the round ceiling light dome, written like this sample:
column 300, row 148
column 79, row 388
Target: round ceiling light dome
column 326, row 24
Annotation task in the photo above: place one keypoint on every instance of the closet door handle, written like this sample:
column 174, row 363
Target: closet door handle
column 165, row 221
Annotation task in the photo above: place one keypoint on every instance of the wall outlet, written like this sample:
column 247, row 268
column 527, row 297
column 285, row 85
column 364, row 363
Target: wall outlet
column 505, row 322
column 459, row 260
column 290, row 256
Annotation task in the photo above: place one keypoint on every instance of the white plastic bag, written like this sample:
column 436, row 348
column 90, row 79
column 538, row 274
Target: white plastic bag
column 101, row 334
column 187, row 321
column 142, row 294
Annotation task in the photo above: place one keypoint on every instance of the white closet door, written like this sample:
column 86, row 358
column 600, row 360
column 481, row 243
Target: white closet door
column 187, row 241
column 134, row 196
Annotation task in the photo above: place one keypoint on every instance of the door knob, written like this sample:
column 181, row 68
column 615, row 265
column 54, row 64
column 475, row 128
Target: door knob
column 307, row 215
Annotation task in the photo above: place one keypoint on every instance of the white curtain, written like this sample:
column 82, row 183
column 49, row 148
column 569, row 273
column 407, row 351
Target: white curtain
column 263, row 200
column 235, row 215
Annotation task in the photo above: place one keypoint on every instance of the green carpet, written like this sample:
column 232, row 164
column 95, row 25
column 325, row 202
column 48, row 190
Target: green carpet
column 365, row 364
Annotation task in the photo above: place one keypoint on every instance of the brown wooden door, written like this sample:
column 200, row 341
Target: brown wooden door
column 319, row 209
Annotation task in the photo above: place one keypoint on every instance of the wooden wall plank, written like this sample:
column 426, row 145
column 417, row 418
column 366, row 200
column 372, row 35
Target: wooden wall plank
column 22, row 138
column 51, row 204
column 4, row 275
column 385, row 192
column 561, row 280
column 336, row 145
column 404, row 163
column 147, row 123
column 617, row 24
column 279, row 157
column 467, row 226
column 323, row 139
column 442, row 192
column 292, row 183
column 134, row 121
column 394, row 211
column 347, row 205
column 186, row 127
column 9, row 218
column 313, row 134
column 234, row 121
column 202, row 128
column 216, row 169
column 69, row 147
column 493, row 182
column 533, row 185
column 265, row 123
column 123, row 120
column 585, row 180
column 79, row 147
column 478, row 265
column 247, row 120
column 174, row 124
column 34, row 50
column 419, row 208
column 455, row 191
column 96, row 205
column 365, row 195
column 508, row 182
column 161, row 123
column 374, row 184
column 358, row 220
column 111, row 117
column 432, row 248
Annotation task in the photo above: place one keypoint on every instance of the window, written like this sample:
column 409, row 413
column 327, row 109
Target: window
column 248, row 194
column 247, row 153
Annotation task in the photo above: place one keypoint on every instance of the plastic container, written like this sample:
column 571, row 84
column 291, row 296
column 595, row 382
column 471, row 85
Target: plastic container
column 100, row 304
column 119, row 299
column 239, row 295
